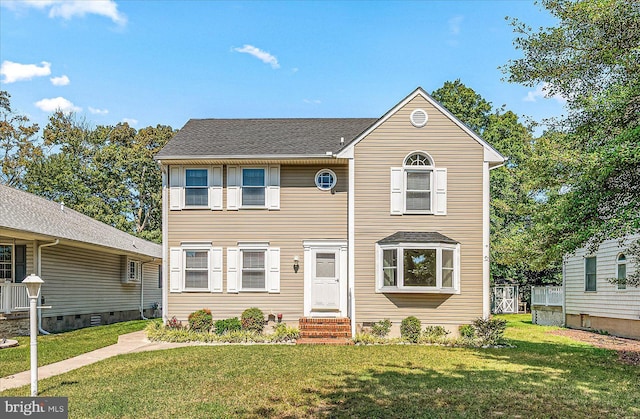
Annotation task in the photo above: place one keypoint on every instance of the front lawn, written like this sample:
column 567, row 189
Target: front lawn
column 57, row 347
column 544, row 376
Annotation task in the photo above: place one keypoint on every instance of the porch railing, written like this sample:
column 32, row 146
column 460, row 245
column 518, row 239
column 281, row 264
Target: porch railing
column 13, row 296
column 547, row 296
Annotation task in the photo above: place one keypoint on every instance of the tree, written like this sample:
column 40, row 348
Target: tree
column 17, row 142
column 591, row 58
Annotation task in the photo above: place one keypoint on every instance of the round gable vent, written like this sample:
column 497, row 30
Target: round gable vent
column 419, row 118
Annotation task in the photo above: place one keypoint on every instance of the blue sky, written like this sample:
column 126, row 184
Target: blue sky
column 163, row 62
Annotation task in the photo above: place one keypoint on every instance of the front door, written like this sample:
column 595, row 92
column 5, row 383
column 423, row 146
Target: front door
column 325, row 283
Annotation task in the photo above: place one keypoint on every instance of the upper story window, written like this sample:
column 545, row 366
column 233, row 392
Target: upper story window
column 621, row 271
column 196, row 188
column 253, row 187
column 418, row 187
column 590, row 273
column 326, row 179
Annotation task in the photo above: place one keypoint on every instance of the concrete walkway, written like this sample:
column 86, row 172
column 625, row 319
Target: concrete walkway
column 128, row 343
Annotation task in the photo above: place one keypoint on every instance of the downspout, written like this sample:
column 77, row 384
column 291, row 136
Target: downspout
column 142, row 288
column 351, row 240
column 39, row 272
column 165, row 229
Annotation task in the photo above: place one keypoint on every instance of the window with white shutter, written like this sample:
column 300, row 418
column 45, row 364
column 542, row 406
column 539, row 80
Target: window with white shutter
column 418, row 187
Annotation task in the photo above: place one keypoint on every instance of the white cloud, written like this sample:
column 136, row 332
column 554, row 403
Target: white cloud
column 130, row 121
column 13, row 72
column 68, row 9
column 60, row 81
column 57, row 103
column 454, row 24
column 543, row 91
column 263, row 56
column 97, row 111
column 312, row 101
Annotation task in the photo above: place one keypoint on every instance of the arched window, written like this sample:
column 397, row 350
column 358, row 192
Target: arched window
column 622, row 271
column 418, row 159
column 418, row 187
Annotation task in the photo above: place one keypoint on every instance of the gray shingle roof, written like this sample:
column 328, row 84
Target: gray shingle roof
column 416, row 237
column 23, row 211
column 255, row 137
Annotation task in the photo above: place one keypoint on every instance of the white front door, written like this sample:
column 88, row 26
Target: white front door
column 325, row 282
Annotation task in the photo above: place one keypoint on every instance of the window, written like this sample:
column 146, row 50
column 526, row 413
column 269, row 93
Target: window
column 418, row 267
column 418, row 187
column 590, row 273
column 253, row 267
column 196, row 189
column 622, row 271
column 253, row 187
column 253, row 275
column 6, row 261
column 196, row 269
column 159, row 276
column 326, row 179
column 134, row 271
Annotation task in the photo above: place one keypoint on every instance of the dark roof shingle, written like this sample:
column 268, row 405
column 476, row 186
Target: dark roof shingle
column 417, row 237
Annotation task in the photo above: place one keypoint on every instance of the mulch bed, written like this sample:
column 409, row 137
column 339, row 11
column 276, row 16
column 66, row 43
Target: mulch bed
column 628, row 349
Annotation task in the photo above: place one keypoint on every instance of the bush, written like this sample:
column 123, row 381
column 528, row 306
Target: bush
column 174, row 324
column 201, row 320
column 282, row 332
column 227, row 325
column 410, row 329
column 253, row 320
column 381, row 328
column 490, row 331
column 467, row 331
column 435, row 331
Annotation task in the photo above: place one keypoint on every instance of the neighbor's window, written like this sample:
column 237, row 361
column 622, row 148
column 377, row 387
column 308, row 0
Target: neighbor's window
column 135, row 271
column 196, row 269
column 253, row 187
column 6, row 261
column 253, row 270
column 622, row 271
column 590, row 273
column 196, row 192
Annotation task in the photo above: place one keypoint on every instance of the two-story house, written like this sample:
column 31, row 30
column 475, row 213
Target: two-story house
column 352, row 218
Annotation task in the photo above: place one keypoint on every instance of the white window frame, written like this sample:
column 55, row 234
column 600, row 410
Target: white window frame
column 595, row 274
column 418, row 169
column 264, row 249
column 206, row 187
column 12, row 266
column 186, row 249
column 619, row 263
column 400, row 287
column 437, row 185
column 320, row 185
column 271, row 267
column 264, row 186
column 137, row 270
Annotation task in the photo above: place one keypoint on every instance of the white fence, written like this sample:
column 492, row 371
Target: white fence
column 12, row 296
column 547, row 296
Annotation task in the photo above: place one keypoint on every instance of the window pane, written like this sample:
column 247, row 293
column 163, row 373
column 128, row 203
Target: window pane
column 253, row 260
column 253, row 196
column 418, row 181
column 196, row 196
column 253, row 177
column 325, row 265
column 5, row 261
column 590, row 274
column 447, row 258
column 253, row 280
column 197, row 259
column 420, row 267
column 418, row 201
column 390, row 258
column 390, row 277
column 196, row 177
column 622, row 274
column 196, row 279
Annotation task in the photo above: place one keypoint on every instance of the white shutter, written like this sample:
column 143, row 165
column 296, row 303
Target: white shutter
column 233, row 275
column 441, row 192
column 216, row 269
column 234, row 180
column 273, row 188
column 215, row 188
column 274, row 270
column 175, row 269
column 175, row 188
column 397, row 191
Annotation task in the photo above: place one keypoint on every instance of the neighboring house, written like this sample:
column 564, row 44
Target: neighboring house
column 93, row 273
column 364, row 219
column 592, row 301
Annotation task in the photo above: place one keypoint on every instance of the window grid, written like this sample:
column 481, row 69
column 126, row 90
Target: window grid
column 196, row 271
column 590, row 266
column 196, row 187
column 6, row 261
column 253, row 270
column 254, row 187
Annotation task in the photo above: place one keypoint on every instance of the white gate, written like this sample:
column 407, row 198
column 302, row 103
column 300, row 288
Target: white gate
column 505, row 299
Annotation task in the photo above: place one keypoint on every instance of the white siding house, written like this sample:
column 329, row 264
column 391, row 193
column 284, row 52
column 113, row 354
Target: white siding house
column 592, row 301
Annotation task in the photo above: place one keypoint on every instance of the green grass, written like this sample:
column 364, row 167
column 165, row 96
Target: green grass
column 57, row 347
column 544, row 376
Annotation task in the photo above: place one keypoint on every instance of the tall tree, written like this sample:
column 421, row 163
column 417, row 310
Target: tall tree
column 17, row 142
column 591, row 58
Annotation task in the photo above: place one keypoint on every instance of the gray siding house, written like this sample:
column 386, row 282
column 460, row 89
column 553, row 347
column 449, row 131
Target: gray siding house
column 93, row 273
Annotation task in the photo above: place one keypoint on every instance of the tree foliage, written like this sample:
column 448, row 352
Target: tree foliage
column 591, row 58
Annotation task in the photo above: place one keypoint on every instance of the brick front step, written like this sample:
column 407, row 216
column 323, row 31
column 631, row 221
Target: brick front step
column 319, row 341
column 325, row 331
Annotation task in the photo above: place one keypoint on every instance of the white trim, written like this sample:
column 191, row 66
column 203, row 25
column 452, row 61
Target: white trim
column 311, row 247
column 486, row 230
column 185, row 187
column 165, row 248
column 413, row 119
column 332, row 173
column 351, row 244
column 13, row 260
column 491, row 154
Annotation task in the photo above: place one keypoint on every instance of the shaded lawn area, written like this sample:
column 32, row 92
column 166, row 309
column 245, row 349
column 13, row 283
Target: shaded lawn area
column 57, row 347
column 545, row 376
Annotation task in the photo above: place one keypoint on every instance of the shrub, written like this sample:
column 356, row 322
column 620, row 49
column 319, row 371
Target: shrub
column 467, row 331
column 435, row 331
column 282, row 332
column 227, row 325
column 173, row 323
column 381, row 328
column 253, row 320
column 410, row 329
column 201, row 320
column 490, row 331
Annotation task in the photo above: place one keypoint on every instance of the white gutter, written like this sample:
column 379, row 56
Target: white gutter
column 39, row 273
column 165, row 258
column 351, row 235
column 142, row 288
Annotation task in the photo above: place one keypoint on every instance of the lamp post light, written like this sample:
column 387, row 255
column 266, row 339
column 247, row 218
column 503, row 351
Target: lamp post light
column 33, row 283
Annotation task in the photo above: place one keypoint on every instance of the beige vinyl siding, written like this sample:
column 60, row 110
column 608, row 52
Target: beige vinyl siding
column 607, row 300
column 305, row 213
column 451, row 148
column 80, row 281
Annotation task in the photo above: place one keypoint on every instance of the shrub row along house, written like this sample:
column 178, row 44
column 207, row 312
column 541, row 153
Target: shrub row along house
column 358, row 219
column 93, row 273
